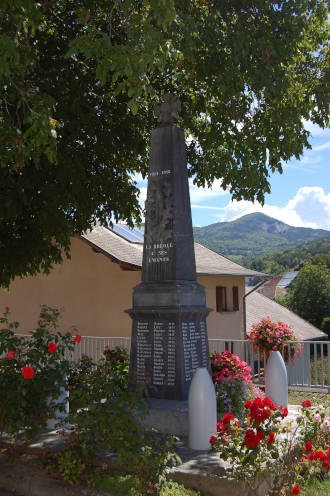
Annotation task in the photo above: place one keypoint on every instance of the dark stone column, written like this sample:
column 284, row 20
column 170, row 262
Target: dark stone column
column 169, row 335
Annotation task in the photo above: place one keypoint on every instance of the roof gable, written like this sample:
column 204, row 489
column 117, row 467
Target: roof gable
column 121, row 250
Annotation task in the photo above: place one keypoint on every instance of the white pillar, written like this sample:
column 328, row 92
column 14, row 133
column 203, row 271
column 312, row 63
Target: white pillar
column 60, row 417
column 202, row 410
column 276, row 379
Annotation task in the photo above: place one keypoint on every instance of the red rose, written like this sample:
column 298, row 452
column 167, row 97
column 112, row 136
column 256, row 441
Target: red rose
column 312, row 457
column 271, row 438
column 326, row 464
column 295, row 490
column 77, row 338
column 251, row 439
column 227, row 418
column 269, row 403
column 52, row 348
column 260, row 434
column 284, row 413
column 11, row 354
column 213, row 439
column 27, row 372
column 320, row 455
column 219, row 426
column 248, row 405
column 7, row 309
column 306, row 404
column 308, row 446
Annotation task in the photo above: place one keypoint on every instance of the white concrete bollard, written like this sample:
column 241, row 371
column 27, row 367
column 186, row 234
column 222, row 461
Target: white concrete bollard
column 59, row 417
column 276, row 379
column 202, row 410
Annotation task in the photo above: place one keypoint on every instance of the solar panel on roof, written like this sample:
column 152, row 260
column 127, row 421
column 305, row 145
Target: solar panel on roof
column 136, row 235
column 288, row 278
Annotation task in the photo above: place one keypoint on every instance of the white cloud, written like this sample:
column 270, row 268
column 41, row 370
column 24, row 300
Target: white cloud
column 324, row 146
column 198, row 195
column 143, row 194
column 315, row 129
column 309, row 208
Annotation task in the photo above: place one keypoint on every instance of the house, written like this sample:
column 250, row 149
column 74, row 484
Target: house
column 278, row 285
column 285, row 283
column 94, row 288
column 259, row 306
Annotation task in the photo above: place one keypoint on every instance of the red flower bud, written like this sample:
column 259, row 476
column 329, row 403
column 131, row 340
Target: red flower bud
column 52, row 348
column 27, row 372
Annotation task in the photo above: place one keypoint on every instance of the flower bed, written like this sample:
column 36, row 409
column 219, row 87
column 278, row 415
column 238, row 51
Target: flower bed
column 232, row 379
column 265, row 448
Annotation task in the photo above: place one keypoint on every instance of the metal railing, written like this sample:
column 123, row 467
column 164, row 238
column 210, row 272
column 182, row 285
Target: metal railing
column 94, row 347
column 310, row 368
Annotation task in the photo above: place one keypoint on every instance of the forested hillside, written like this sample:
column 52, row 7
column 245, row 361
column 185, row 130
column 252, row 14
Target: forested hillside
column 254, row 235
column 315, row 252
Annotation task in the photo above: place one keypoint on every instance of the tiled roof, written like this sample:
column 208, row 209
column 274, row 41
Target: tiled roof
column 259, row 306
column 116, row 247
column 273, row 282
column 121, row 250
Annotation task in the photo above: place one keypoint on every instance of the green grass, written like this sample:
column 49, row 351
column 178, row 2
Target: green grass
column 317, row 488
column 297, row 397
column 317, row 366
column 129, row 485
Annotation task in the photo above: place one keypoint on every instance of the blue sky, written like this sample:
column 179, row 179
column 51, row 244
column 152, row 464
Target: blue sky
column 300, row 196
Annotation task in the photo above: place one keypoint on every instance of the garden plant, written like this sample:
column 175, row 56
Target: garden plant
column 32, row 372
column 268, row 336
column 233, row 382
column 266, row 449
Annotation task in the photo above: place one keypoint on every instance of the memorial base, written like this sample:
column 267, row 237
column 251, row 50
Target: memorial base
column 167, row 416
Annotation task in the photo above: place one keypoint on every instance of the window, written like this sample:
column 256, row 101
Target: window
column 221, row 299
column 235, row 299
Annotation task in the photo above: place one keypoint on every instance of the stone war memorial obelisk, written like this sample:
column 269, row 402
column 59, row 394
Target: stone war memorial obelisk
column 169, row 335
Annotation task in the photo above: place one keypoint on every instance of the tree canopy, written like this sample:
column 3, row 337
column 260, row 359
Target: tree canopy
column 79, row 80
column 309, row 296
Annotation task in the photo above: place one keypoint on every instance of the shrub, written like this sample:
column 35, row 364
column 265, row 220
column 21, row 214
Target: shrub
column 325, row 326
column 264, row 449
column 232, row 379
column 110, row 419
column 32, row 375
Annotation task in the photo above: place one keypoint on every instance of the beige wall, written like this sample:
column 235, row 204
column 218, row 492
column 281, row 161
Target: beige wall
column 93, row 293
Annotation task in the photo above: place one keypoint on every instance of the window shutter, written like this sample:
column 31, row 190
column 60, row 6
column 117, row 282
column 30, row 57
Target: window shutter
column 221, row 300
column 235, row 298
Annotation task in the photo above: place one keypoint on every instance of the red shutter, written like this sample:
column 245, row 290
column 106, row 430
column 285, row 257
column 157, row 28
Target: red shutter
column 235, row 298
column 219, row 298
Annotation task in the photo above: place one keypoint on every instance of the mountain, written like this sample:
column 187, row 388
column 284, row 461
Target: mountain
column 313, row 252
column 254, row 235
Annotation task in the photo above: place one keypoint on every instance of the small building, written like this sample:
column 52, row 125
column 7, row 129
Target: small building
column 94, row 288
column 278, row 285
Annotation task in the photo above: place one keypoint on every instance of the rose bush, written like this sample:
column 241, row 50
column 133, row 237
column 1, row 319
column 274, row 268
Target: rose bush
column 232, row 379
column 106, row 411
column 266, row 448
column 32, row 374
column 268, row 336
